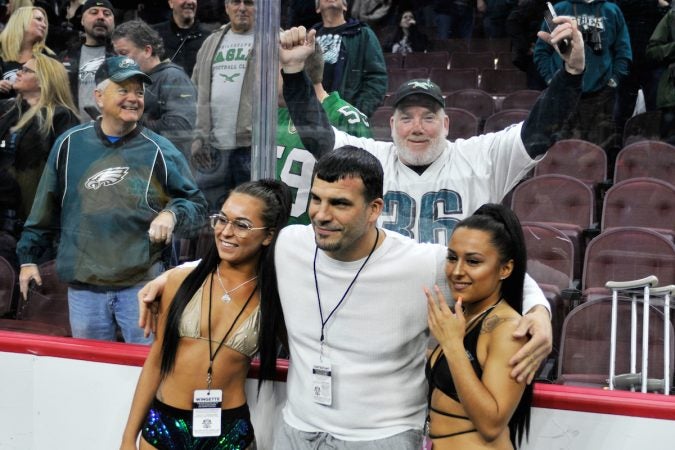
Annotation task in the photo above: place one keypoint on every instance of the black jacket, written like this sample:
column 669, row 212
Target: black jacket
column 182, row 44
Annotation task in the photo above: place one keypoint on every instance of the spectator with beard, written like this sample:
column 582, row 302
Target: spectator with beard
column 84, row 59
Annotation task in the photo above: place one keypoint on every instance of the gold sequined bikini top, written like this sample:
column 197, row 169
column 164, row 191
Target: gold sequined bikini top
column 243, row 340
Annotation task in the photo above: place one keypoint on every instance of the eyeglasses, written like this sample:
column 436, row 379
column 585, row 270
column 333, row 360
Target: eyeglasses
column 25, row 69
column 239, row 227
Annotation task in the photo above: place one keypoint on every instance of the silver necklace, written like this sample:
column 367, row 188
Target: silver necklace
column 226, row 294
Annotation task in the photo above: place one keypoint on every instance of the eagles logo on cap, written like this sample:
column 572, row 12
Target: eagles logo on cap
column 120, row 68
column 419, row 86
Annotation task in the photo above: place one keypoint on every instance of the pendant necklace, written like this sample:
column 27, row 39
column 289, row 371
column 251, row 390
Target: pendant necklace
column 226, row 294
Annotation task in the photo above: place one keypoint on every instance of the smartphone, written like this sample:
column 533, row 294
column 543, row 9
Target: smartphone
column 549, row 14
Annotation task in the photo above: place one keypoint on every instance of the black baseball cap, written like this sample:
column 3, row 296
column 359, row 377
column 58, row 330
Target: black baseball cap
column 120, row 68
column 97, row 4
column 419, row 86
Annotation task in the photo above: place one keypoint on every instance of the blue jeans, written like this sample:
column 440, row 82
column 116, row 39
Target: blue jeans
column 95, row 315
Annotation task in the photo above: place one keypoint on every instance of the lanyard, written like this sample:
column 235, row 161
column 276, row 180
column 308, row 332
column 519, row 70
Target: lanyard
column 316, row 284
column 212, row 356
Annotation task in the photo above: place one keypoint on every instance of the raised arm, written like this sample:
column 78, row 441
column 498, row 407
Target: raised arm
column 556, row 103
column 309, row 118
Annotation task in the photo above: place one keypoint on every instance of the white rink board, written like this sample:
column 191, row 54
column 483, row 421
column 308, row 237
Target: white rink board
column 59, row 403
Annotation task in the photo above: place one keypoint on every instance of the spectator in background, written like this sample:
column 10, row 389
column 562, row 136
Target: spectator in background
column 29, row 125
column 641, row 18
column 495, row 13
column 57, row 35
column 294, row 163
column 108, row 183
column 223, row 75
column 13, row 5
column 83, row 59
column 24, row 36
column 407, row 38
column 70, row 17
column 661, row 50
column 171, row 98
column 154, row 11
column 454, row 18
column 522, row 26
column 608, row 54
column 354, row 63
column 183, row 35
column 210, row 13
column 302, row 12
column 125, row 10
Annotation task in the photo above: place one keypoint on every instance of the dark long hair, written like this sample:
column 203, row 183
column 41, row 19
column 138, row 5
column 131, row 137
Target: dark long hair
column 277, row 199
column 507, row 237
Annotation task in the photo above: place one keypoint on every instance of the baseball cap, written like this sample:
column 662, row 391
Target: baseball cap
column 120, row 68
column 97, row 4
column 420, row 86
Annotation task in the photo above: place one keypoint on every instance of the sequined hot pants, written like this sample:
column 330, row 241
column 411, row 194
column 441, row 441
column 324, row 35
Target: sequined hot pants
column 169, row 428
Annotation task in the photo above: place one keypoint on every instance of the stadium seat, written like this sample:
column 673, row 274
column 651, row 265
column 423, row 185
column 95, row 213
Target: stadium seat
column 478, row 102
column 643, row 126
column 505, row 61
column 521, row 99
column 471, row 60
column 393, row 60
column 46, row 309
column 585, row 343
column 502, row 119
column 450, row 45
column 490, row 45
column 501, row 82
column 438, row 59
column 379, row 123
column 560, row 201
column 640, row 202
column 454, row 79
column 550, row 262
column 397, row 77
column 624, row 254
column 647, row 158
column 8, row 286
column 463, row 124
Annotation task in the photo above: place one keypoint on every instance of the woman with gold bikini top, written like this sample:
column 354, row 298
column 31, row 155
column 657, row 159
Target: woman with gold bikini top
column 473, row 401
column 212, row 320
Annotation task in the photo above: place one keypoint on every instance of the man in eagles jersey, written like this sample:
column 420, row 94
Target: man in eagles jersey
column 112, row 192
column 294, row 163
column 431, row 183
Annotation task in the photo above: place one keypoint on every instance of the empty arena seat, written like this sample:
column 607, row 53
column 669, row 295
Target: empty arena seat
column 473, row 60
column 449, row 80
column 437, row 59
column 501, row 82
column 640, row 202
column 585, row 343
column 641, row 127
column 463, row 124
column 560, row 201
column 504, row 118
column 646, row 158
column 397, row 77
column 624, row 254
column 521, row 99
column 379, row 123
column 478, row 102
column 577, row 158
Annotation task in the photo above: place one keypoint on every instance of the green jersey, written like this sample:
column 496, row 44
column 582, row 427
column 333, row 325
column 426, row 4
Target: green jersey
column 295, row 164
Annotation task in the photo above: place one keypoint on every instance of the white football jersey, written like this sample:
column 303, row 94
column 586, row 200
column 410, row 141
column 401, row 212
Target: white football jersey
column 469, row 173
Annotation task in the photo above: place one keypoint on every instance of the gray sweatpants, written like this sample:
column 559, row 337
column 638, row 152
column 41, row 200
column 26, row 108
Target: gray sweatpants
column 289, row 438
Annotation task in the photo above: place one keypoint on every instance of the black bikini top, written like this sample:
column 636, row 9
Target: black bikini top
column 439, row 376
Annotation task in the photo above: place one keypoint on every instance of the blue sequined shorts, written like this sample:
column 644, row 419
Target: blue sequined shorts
column 169, row 428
